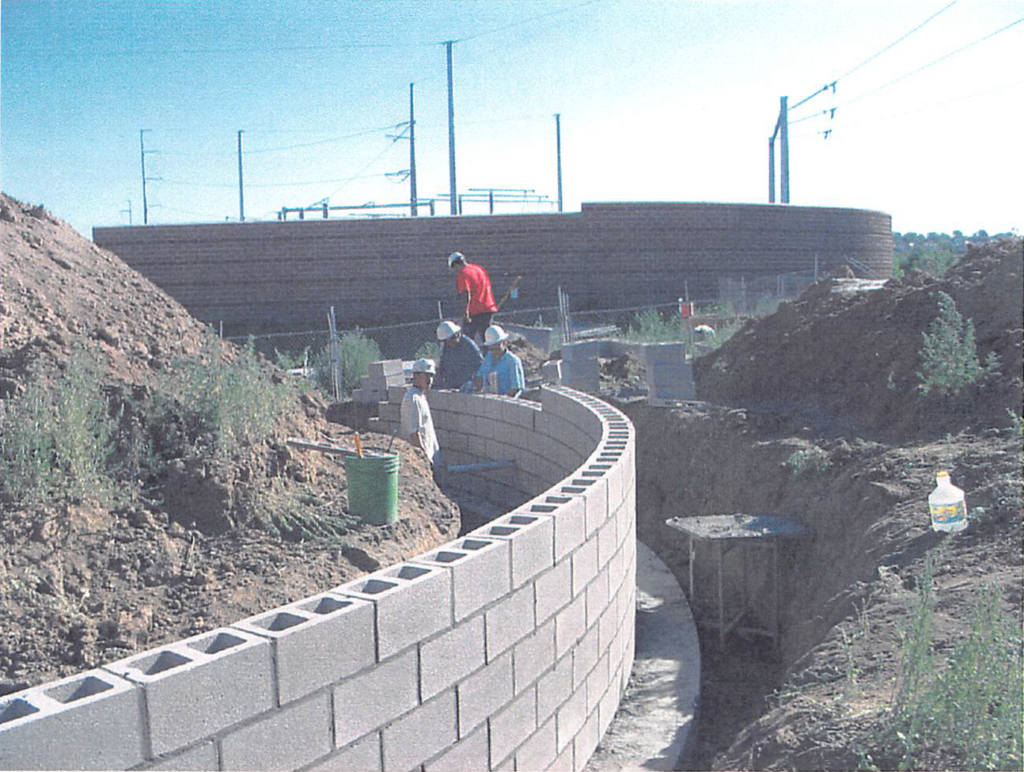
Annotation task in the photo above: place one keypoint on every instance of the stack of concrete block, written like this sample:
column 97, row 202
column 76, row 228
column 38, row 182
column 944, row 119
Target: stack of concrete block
column 581, row 368
column 382, row 375
column 551, row 372
column 669, row 374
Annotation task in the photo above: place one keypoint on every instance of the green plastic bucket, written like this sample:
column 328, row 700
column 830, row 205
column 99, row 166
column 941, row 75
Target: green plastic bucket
column 373, row 488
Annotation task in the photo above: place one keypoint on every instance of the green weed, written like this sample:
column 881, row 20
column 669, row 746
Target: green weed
column 808, row 460
column 213, row 405
column 966, row 706
column 57, row 440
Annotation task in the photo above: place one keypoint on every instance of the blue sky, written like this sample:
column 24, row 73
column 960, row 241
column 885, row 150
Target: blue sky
column 661, row 100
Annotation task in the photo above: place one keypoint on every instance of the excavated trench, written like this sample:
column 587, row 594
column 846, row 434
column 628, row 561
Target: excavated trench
column 708, row 460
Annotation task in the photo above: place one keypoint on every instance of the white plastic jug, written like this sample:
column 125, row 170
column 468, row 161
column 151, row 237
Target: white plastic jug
column 947, row 506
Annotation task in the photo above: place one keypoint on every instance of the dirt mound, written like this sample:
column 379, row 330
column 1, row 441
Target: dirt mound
column 852, row 358
column 182, row 547
column 531, row 356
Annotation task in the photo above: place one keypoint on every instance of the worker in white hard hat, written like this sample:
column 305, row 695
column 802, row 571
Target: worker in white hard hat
column 416, row 425
column 473, row 286
column 460, row 358
column 501, row 372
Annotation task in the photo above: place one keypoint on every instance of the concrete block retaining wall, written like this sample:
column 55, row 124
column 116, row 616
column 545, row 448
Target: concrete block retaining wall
column 508, row 648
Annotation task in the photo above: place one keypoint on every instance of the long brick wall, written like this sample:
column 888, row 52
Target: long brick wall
column 284, row 275
column 508, row 648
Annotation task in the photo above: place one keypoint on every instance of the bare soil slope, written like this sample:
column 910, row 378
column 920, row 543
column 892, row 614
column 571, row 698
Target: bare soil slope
column 185, row 551
column 812, row 429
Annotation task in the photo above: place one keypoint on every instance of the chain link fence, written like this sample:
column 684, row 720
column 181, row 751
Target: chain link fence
column 702, row 323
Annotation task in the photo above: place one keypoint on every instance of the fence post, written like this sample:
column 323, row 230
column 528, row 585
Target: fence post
column 337, row 380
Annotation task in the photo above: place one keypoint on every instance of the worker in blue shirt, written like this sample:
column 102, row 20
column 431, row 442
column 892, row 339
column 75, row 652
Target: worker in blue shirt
column 501, row 372
column 460, row 358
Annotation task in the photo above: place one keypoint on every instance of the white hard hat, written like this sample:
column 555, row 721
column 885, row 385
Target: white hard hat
column 455, row 256
column 445, row 330
column 494, row 334
column 424, row 366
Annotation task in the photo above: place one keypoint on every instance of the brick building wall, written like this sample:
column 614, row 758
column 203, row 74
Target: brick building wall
column 284, row 275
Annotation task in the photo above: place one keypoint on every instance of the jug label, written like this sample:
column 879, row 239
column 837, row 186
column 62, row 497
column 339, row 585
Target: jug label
column 949, row 513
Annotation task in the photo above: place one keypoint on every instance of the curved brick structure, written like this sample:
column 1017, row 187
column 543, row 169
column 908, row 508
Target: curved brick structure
column 508, row 648
column 286, row 274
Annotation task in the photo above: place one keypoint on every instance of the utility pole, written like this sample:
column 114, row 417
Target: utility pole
column 771, row 169
column 451, row 131
column 558, row 150
column 784, row 153
column 414, row 209
column 128, row 211
column 142, row 151
column 241, row 197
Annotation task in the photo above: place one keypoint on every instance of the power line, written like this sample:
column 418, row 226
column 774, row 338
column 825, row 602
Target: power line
column 142, row 51
column 522, row 21
column 919, row 108
column 832, row 85
column 832, row 110
column 194, row 184
column 934, row 62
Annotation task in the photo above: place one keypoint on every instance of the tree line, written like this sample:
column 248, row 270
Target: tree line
column 934, row 252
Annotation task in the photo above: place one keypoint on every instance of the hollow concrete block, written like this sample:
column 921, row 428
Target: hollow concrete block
column 89, row 721
column 201, row 685
column 554, row 688
column 532, row 656
column 539, row 750
column 369, row 700
column 508, row 621
column 451, row 656
column 569, row 514
column 484, row 693
column 316, row 641
column 584, row 565
column 570, row 624
column 585, row 742
column 480, row 571
column 199, row 758
column 597, row 597
column 424, row 732
column 467, row 754
column 285, row 739
column 570, row 717
column 597, row 681
column 510, row 725
column 361, row 756
column 411, row 602
column 531, row 542
column 585, row 657
column 554, row 590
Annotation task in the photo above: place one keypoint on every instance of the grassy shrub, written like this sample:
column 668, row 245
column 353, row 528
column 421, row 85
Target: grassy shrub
column 57, row 441
column 966, row 705
column 649, row 326
column 949, row 355
column 212, row 405
column 810, row 460
column 357, row 351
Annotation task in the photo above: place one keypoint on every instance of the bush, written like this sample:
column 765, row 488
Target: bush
column 810, row 460
column 57, row 442
column 357, row 351
column 967, row 705
column 949, row 355
column 649, row 326
column 210, row 404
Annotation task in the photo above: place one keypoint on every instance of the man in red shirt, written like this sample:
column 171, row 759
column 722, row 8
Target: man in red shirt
column 474, row 287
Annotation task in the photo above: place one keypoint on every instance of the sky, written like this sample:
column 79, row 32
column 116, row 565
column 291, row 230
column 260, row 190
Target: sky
column 660, row 100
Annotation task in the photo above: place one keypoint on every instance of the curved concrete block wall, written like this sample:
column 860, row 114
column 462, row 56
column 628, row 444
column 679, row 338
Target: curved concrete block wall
column 508, row 648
